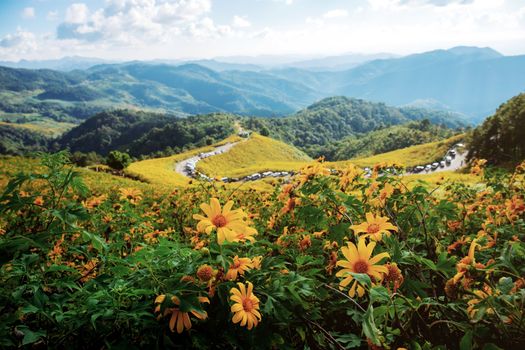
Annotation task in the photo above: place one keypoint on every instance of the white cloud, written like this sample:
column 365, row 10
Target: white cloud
column 338, row 13
column 28, row 12
column 241, row 22
column 143, row 29
column 52, row 15
column 141, row 22
column 19, row 44
column 77, row 13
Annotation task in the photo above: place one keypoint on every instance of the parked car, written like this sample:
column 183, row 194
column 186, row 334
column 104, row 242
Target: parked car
column 448, row 160
column 442, row 164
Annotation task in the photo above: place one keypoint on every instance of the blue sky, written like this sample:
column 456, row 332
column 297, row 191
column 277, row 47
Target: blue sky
column 170, row 29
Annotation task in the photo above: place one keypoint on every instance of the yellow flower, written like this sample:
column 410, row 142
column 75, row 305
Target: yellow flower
column 256, row 262
column 374, row 227
column 384, row 194
column 238, row 267
column 179, row 318
column 359, row 260
column 479, row 296
column 348, row 175
column 244, row 234
column 246, row 306
column 94, row 201
column 230, row 224
column 130, row 194
column 478, row 166
column 310, row 171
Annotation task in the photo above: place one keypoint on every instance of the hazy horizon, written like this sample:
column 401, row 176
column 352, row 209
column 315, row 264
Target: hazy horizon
column 126, row 30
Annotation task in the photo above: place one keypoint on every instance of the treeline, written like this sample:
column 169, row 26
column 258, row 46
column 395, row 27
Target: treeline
column 501, row 137
column 145, row 134
column 339, row 122
column 16, row 140
column 386, row 140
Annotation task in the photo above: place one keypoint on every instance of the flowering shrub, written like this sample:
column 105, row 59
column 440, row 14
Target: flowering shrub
column 328, row 260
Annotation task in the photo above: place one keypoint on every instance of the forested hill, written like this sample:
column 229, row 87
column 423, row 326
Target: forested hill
column 185, row 90
column 472, row 81
column 142, row 133
column 316, row 128
column 501, row 137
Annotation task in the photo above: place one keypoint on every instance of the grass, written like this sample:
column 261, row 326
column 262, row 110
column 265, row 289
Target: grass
column 411, row 156
column 257, row 154
column 160, row 171
column 45, row 126
column 437, row 178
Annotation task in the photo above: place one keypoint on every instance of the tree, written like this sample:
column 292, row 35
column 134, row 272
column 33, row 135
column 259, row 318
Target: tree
column 118, row 160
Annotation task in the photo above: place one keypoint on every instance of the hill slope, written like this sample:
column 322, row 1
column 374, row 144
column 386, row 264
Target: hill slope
column 257, row 154
column 501, row 138
column 316, row 128
column 473, row 81
column 141, row 133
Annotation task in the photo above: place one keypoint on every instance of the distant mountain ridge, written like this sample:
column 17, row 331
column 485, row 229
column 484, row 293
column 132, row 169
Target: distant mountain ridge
column 470, row 80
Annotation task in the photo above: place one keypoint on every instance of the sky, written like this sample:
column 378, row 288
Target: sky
column 192, row 29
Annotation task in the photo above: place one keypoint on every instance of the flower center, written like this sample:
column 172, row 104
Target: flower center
column 236, row 264
column 372, row 228
column 205, row 273
column 219, row 221
column 360, row 266
column 247, row 305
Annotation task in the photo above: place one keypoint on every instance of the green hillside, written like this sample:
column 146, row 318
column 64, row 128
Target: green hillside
column 317, row 129
column 501, row 138
column 143, row 133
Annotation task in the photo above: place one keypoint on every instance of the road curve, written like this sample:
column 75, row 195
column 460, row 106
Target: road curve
column 181, row 167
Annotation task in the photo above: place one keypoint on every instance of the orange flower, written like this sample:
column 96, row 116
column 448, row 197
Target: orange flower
column 130, row 194
column 238, row 267
column 374, row 227
column 478, row 166
column 205, row 273
column 179, row 318
column 393, row 277
column 94, row 201
column 305, row 243
column 39, row 201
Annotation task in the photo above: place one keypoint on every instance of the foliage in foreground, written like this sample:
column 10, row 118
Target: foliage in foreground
column 326, row 261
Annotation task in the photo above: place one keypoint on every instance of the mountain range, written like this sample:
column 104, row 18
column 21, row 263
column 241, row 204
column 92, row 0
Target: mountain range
column 469, row 80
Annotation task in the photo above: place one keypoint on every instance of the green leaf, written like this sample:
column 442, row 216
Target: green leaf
column 379, row 294
column 97, row 241
column 466, row 342
column 362, row 278
column 369, row 327
column 32, row 337
column 505, row 284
